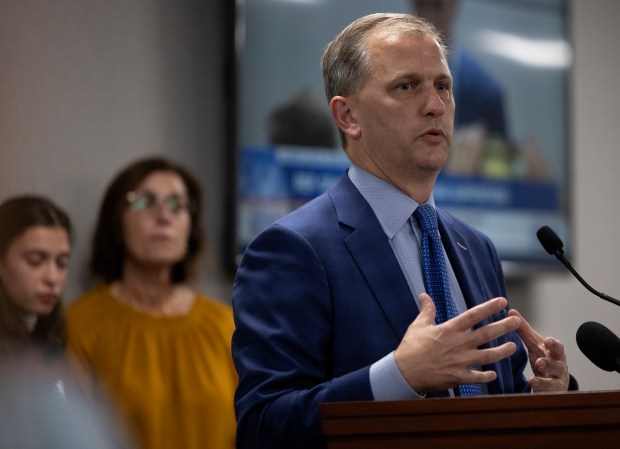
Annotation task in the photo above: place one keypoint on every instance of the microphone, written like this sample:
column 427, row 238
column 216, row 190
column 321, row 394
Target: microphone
column 554, row 246
column 600, row 345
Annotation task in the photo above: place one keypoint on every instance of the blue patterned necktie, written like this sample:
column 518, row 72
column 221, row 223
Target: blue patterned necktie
column 436, row 276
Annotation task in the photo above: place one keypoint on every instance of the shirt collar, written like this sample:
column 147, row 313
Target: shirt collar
column 391, row 206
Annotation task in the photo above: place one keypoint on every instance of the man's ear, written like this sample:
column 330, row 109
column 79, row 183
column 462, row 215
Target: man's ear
column 341, row 111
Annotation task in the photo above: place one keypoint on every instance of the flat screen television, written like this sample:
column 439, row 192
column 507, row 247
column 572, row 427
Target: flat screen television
column 508, row 172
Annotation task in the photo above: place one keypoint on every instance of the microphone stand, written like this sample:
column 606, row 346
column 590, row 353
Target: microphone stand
column 562, row 258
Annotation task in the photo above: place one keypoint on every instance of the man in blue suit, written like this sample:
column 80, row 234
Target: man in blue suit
column 330, row 301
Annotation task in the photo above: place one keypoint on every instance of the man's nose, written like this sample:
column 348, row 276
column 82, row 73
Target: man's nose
column 434, row 104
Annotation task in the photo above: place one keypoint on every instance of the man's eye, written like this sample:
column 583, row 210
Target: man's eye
column 443, row 87
column 405, row 86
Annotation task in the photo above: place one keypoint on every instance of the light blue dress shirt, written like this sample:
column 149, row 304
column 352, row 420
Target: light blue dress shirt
column 394, row 210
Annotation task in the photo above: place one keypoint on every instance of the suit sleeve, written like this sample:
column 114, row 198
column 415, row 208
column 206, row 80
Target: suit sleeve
column 282, row 344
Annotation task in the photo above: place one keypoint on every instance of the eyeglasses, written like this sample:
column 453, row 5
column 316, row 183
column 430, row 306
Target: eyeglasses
column 149, row 202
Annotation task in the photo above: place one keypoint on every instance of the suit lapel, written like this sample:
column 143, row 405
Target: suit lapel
column 371, row 250
column 472, row 285
column 461, row 260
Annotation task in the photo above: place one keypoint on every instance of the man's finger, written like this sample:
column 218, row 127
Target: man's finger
column 473, row 316
column 533, row 341
column 493, row 331
column 555, row 348
column 479, row 377
column 539, row 384
column 427, row 310
column 526, row 332
column 492, row 355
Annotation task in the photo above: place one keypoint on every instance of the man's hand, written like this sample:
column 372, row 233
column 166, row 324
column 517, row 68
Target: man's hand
column 547, row 358
column 436, row 357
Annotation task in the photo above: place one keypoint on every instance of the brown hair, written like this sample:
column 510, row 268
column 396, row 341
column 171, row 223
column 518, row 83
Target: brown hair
column 108, row 244
column 346, row 62
column 16, row 216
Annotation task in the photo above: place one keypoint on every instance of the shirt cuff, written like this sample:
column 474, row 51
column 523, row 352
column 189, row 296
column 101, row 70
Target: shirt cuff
column 388, row 384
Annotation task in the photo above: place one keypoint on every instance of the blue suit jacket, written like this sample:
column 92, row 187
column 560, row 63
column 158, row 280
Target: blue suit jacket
column 319, row 297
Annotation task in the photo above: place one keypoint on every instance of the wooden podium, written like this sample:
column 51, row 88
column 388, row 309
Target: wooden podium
column 526, row 421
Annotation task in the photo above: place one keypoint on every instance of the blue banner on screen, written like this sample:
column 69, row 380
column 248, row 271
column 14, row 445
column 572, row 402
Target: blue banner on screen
column 459, row 191
column 276, row 180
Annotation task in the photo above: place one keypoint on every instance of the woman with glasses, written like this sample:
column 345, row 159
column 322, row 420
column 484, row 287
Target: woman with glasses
column 159, row 347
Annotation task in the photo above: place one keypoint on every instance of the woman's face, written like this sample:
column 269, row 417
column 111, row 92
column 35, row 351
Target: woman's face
column 157, row 222
column 34, row 269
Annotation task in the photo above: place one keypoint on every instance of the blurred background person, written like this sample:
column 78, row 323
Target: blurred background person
column 482, row 141
column 35, row 247
column 302, row 121
column 44, row 409
column 43, row 399
column 479, row 95
column 160, row 348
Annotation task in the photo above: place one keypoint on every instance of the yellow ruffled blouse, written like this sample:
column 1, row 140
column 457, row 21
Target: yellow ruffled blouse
column 172, row 377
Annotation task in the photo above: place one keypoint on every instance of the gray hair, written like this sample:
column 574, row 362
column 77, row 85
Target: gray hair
column 346, row 62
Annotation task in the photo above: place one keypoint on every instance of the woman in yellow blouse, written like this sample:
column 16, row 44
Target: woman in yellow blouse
column 160, row 349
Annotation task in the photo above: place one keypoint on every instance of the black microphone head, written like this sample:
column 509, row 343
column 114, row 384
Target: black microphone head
column 549, row 240
column 600, row 345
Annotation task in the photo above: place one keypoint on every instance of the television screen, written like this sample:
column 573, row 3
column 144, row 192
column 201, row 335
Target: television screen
column 507, row 174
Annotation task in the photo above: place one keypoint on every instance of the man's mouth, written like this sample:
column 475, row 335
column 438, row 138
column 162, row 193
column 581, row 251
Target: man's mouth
column 435, row 132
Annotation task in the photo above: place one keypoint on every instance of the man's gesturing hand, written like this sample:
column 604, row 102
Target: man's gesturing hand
column 547, row 358
column 436, row 357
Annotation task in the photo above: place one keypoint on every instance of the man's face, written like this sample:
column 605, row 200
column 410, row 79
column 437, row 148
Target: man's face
column 405, row 111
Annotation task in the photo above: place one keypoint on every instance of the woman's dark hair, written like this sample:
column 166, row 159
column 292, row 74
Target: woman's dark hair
column 108, row 245
column 16, row 216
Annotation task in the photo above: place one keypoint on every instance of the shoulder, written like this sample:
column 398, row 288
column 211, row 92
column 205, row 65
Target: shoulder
column 214, row 306
column 299, row 232
column 90, row 320
column 91, row 314
column 322, row 218
column 215, row 312
column 90, row 301
column 309, row 215
column 341, row 203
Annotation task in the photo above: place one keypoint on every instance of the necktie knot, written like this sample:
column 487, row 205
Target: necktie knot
column 427, row 218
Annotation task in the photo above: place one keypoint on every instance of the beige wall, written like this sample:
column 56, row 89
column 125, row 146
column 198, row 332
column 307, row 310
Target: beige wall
column 86, row 86
column 559, row 304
